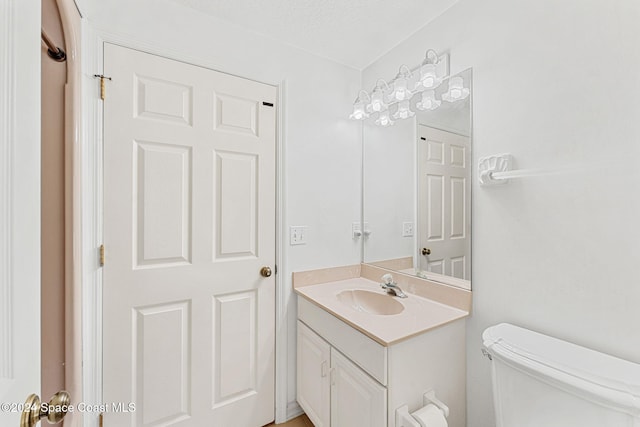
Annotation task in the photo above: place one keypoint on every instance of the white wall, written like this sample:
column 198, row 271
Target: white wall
column 322, row 147
column 556, row 84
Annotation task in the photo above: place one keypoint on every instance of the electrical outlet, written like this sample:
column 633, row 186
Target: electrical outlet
column 298, row 235
column 407, row 229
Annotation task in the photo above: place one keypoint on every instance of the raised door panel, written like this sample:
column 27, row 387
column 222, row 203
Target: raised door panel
column 234, row 347
column 162, row 212
column 356, row 398
column 435, row 207
column 234, row 114
column 236, row 229
column 163, row 100
column 162, row 356
column 313, row 358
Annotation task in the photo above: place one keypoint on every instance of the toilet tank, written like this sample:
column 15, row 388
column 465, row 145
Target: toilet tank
column 540, row 381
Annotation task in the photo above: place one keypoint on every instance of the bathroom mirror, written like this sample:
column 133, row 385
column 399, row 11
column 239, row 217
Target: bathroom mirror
column 417, row 190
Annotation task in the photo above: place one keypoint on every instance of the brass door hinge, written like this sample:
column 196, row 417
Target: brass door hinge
column 103, row 92
column 101, row 255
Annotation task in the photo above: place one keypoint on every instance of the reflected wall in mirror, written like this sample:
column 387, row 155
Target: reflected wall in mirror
column 417, row 190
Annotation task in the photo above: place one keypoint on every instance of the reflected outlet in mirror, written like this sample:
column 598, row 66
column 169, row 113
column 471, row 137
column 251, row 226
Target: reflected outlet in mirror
column 419, row 172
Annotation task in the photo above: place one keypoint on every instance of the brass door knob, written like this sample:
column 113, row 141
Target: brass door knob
column 55, row 411
column 426, row 251
column 265, row 272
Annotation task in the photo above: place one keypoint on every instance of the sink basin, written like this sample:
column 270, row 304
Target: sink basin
column 370, row 302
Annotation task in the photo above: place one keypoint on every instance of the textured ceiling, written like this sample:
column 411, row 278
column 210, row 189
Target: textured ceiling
column 352, row 32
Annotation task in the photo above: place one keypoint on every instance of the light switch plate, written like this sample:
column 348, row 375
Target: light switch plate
column 407, row 229
column 356, row 230
column 298, row 235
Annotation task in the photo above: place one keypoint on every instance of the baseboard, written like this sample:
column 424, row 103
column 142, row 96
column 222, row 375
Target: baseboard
column 293, row 410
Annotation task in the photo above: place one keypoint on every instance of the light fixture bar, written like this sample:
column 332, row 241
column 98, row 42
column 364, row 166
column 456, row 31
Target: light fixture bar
column 442, row 65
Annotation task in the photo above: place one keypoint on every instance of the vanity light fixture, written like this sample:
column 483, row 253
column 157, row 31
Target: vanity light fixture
column 456, row 91
column 396, row 95
column 359, row 106
column 428, row 101
column 384, row 120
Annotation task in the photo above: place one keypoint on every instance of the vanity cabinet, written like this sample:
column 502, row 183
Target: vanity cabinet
column 346, row 378
column 313, row 380
column 333, row 390
column 356, row 398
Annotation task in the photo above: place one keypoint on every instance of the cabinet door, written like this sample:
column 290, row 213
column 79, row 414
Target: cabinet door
column 313, row 375
column 356, row 398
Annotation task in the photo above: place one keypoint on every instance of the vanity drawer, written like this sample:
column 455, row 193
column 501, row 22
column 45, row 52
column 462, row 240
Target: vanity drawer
column 362, row 350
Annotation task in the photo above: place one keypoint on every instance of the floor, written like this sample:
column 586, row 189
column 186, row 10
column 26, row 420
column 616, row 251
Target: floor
column 301, row 421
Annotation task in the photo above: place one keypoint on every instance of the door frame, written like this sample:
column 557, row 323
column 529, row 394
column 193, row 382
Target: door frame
column 93, row 40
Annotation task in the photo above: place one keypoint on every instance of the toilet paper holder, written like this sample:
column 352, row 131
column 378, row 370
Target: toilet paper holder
column 404, row 418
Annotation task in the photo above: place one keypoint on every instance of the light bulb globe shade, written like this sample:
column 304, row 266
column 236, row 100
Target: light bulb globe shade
column 400, row 89
column 377, row 100
column 428, row 76
column 456, row 91
column 404, row 111
column 359, row 111
column 428, row 101
column 384, row 119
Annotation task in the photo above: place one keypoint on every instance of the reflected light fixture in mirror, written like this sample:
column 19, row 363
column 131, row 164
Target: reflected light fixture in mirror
column 456, row 91
column 384, row 119
column 404, row 111
column 428, row 101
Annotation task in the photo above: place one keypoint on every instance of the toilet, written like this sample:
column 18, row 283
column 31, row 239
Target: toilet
column 540, row 381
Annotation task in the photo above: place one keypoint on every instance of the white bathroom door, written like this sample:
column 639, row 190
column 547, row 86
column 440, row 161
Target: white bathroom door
column 444, row 202
column 189, row 223
column 19, row 207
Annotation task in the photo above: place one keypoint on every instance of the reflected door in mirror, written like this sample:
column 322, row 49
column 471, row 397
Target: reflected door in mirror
column 444, row 201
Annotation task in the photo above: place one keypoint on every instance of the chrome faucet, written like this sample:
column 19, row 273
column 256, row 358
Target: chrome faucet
column 391, row 287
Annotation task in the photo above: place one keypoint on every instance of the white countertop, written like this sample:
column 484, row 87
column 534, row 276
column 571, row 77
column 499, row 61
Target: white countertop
column 419, row 315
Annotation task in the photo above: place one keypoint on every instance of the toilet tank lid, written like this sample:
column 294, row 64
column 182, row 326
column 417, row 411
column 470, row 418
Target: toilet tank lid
column 607, row 377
